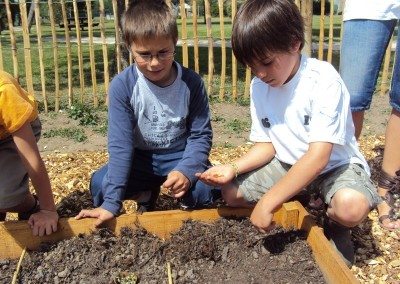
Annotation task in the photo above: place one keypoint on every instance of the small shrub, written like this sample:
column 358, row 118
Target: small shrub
column 84, row 114
column 238, row 126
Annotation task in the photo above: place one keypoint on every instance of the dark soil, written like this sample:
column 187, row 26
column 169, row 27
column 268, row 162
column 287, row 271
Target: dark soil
column 227, row 251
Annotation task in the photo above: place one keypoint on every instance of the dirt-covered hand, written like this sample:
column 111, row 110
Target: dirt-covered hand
column 217, row 175
column 262, row 218
column 43, row 222
column 177, row 183
column 99, row 213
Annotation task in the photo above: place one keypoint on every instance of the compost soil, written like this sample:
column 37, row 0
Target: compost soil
column 227, row 251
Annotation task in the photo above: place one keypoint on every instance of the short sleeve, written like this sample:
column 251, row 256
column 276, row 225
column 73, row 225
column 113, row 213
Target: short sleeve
column 329, row 114
column 15, row 107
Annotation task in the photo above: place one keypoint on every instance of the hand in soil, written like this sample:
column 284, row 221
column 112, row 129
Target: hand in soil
column 99, row 213
column 176, row 183
column 217, row 175
column 43, row 222
column 261, row 218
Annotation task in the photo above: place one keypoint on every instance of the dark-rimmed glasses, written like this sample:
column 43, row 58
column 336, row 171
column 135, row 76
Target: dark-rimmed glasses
column 147, row 58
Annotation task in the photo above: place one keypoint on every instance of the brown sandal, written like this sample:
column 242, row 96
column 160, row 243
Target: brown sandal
column 392, row 196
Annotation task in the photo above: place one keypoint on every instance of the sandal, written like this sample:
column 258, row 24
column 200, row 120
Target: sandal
column 391, row 198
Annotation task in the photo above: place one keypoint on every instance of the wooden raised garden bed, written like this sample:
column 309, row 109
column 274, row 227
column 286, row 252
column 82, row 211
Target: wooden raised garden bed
column 15, row 236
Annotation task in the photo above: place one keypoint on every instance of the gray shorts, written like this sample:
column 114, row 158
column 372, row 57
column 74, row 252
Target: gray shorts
column 253, row 185
column 14, row 179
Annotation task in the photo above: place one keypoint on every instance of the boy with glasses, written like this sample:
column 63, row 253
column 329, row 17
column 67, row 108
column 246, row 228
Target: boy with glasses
column 159, row 131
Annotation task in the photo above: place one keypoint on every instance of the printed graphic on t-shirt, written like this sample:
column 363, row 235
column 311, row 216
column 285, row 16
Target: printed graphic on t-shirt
column 162, row 130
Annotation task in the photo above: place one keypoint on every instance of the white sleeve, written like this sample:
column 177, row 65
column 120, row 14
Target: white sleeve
column 258, row 132
column 330, row 113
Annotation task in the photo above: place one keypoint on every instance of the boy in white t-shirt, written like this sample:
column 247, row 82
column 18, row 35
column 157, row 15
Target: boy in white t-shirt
column 301, row 126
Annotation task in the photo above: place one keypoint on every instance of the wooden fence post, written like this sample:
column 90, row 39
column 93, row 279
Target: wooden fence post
column 27, row 48
column 12, row 39
column 69, row 60
column 207, row 9
column 79, row 43
column 55, row 57
column 91, row 53
column 40, row 49
column 104, row 46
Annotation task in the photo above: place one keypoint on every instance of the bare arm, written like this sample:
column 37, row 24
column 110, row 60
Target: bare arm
column 25, row 141
column 259, row 155
column 44, row 221
column 298, row 177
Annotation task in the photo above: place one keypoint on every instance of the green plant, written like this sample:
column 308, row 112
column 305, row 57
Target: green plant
column 217, row 118
column 238, row 126
column 76, row 134
column 84, row 114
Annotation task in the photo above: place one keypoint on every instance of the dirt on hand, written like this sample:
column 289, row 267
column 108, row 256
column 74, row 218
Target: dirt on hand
column 227, row 251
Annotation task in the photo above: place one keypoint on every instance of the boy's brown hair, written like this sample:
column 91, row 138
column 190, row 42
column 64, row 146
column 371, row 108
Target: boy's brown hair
column 148, row 19
column 262, row 27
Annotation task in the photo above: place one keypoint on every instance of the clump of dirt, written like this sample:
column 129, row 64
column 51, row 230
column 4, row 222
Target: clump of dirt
column 229, row 250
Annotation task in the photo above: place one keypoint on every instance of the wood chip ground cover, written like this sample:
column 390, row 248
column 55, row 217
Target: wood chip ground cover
column 227, row 251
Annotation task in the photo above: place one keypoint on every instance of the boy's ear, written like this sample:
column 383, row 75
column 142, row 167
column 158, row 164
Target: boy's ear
column 296, row 47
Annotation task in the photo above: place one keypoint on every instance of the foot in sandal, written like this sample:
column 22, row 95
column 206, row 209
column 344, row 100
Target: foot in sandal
column 389, row 208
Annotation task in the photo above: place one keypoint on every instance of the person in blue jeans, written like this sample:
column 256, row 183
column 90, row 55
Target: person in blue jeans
column 367, row 28
column 159, row 131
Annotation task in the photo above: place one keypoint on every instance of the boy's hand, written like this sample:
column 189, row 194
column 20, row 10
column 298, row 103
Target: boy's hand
column 99, row 213
column 177, row 183
column 261, row 217
column 43, row 222
column 217, row 175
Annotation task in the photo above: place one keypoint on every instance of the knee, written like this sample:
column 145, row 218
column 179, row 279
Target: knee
column 230, row 196
column 349, row 207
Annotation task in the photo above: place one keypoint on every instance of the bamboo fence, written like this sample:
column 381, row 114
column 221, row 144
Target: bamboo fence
column 74, row 50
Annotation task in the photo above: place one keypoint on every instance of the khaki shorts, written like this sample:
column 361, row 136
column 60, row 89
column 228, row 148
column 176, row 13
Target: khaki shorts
column 14, row 179
column 253, row 185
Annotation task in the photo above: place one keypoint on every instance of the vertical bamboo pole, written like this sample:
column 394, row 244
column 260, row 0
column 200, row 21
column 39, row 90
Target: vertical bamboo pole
column 117, row 35
column 210, row 46
column 195, row 37
column 330, row 43
column 40, row 47
column 1, row 56
column 55, row 57
column 12, row 39
column 234, row 61
column 104, row 46
column 91, row 53
column 247, row 83
column 321, row 31
column 27, row 47
column 185, row 60
column 79, row 43
column 385, row 71
column 130, row 54
column 223, row 50
column 306, row 11
column 69, row 60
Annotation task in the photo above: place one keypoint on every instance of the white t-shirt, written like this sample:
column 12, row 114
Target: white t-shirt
column 312, row 107
column 371, row 9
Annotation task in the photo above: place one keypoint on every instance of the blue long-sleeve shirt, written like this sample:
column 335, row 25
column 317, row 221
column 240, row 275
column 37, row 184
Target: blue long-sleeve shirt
column 144, row 116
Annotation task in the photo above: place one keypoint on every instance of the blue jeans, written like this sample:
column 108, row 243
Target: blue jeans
column 364, row 44
column 149, row 171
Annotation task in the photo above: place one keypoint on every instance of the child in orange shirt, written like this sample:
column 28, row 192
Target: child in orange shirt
column 20, row 160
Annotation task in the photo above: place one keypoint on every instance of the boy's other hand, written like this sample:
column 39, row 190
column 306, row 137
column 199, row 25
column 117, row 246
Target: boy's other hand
column 217, row 175
column 101, row 215
column 43, row 222
column 262, row 218
column 177, row 183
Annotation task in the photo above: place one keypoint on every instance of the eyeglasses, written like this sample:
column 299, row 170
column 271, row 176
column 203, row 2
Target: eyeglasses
column 147, row 58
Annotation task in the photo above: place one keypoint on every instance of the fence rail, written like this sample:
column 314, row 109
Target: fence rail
column 75, row 48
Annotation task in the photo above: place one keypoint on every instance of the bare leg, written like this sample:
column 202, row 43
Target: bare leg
column 391, row 163
column 358, row 119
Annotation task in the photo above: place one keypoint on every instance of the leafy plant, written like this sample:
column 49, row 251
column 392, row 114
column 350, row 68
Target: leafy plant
column 76, row 134
column 84, row 114
column 237, row 125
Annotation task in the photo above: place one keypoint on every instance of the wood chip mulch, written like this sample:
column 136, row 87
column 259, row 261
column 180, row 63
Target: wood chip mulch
column 377, row 250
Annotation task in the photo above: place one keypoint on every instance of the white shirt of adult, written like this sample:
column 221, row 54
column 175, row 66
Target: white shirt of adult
column 371, row 9
column 312, row 107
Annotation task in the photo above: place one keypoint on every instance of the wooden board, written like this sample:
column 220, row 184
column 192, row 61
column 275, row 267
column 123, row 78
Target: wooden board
column 16, row 235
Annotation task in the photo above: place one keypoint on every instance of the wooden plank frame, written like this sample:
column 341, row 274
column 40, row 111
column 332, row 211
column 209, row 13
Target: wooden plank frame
column 16, row 235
